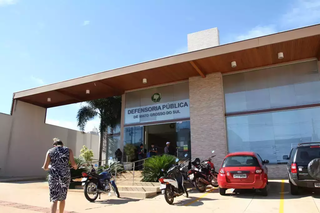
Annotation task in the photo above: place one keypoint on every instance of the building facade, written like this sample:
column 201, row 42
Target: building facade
column 260, row 95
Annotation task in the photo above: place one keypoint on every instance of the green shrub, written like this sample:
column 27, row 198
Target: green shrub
column 86, row 154
column 113, row 167
column 116, row 166
column 153, row 166
column 130, row 151
column 102, row 168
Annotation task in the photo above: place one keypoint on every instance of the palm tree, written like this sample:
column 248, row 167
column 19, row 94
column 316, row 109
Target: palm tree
column 109, row 112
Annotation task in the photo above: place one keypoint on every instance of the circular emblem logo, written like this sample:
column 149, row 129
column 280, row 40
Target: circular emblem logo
column 156, row 97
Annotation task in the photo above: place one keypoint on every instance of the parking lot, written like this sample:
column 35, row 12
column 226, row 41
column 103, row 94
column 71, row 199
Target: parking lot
column 28, row 197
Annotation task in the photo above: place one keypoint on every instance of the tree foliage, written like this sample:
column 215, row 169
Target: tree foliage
column 86, row 154
column 107, row 109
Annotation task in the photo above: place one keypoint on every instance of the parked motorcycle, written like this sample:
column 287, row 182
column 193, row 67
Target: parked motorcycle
column 203, row 174
column 173, row 184
column 97, row 184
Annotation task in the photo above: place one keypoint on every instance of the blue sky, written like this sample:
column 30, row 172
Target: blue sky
column 43, row 42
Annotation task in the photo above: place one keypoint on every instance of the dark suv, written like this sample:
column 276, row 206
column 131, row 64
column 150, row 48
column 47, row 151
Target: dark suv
column 297, row 167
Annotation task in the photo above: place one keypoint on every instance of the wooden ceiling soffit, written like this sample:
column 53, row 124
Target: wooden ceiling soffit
column 194, row 65
column 70, row 95
column 111, row 88
column 318, row 54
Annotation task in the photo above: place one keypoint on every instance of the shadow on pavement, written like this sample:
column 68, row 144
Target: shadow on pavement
column 274, row 193
column 117, row 201
column 192, row 201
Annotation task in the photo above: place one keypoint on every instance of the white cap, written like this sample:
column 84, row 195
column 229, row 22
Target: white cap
column 168, row 143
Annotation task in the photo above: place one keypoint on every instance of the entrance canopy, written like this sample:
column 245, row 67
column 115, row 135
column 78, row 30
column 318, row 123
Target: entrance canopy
column 299, row 44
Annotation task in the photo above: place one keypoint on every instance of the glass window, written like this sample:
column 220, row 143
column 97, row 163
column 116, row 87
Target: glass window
column 283, row 86
column 273, row 134
column 113, row 145
column 183, row 139
column 306, row 154
column 115, row 130
column 134, row 135
column 241, row 161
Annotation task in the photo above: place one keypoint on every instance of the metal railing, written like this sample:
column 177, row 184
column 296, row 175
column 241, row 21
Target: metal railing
column 133, row 166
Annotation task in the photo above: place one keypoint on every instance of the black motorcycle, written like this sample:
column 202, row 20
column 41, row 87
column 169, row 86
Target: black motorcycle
column 203, row 174
column 97, row 184
column 173, row 184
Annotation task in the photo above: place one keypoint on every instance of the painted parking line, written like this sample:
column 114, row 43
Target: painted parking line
column 199, row 198
column 281, row 209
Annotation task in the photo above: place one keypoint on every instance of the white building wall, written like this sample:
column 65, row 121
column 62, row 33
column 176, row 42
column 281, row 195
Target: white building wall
column 25, row 139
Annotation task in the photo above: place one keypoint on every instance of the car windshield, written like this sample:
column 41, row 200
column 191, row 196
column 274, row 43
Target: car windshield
column 307, row 154
column 240, row 160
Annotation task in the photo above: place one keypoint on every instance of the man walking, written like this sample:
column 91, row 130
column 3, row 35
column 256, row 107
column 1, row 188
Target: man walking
column 167, row 148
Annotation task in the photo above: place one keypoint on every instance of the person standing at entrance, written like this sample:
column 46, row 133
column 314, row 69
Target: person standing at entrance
column 118, row 155
column 167, row 148
column 153, row 151
column 59, row 173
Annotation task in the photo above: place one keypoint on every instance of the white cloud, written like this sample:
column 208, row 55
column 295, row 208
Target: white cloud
column 257, row 32
column 302, row 12
column 38, row 81
column 7, row 2
column 85, row 23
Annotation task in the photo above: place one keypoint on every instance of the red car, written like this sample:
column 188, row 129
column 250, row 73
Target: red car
column 243, row 170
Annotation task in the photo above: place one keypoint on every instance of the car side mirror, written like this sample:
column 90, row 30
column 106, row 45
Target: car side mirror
column 265, row 161
column 285, row 157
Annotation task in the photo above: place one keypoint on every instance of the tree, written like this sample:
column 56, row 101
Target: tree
column 109, row 112
column 86, row 154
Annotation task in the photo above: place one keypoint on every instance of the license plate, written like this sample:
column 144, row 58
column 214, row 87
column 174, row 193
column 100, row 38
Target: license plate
column 317, row 185
column 83, row 179
column 240, row 176
column 191, row 176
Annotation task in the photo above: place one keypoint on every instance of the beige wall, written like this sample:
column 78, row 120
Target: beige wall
column 5, row 128
column 207, row 117
column 29, row 138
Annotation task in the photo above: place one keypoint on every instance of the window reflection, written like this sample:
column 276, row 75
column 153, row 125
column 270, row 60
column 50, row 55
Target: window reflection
column 283, row 86
column 133, row 135
column 273, row 134
column 183, row 139
column 113, row 145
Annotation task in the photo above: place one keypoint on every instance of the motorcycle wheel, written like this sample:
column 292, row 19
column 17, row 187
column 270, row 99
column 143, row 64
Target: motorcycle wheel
column 168, row 194
column 201, row 187
column 89, row 185
column 115, row 189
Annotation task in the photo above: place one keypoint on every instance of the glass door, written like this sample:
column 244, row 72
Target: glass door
column 183, row 139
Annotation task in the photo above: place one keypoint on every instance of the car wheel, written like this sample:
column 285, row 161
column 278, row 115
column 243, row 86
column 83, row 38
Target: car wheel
column 222, row 191
column 294, row 189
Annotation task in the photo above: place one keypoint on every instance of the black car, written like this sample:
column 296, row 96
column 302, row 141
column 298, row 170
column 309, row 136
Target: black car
column 303, row 166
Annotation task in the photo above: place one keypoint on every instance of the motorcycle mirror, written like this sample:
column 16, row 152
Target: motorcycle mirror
column 186, row 155
column 162, row 170
column 212, row 151
column 177, row 160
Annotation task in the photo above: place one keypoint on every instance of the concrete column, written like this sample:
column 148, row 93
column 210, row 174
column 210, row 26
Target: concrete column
column 207, row 117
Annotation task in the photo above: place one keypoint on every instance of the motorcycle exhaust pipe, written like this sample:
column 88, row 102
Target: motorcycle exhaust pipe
column 204, row 181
